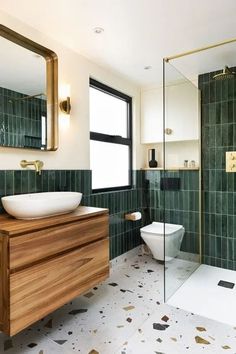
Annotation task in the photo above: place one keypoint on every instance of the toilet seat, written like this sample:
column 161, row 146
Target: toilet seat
column 157, row 228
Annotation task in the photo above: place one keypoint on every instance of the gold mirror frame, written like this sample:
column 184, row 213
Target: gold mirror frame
column 51, row 77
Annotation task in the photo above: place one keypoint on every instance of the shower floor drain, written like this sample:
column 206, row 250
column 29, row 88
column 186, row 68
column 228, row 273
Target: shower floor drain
column 226, row 284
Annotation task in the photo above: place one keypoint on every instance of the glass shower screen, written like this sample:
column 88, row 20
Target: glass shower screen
column 180, row 180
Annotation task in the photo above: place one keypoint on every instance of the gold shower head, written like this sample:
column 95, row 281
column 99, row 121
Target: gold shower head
column 226, row 74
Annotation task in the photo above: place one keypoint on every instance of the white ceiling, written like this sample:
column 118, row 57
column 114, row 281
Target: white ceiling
column 136, row 33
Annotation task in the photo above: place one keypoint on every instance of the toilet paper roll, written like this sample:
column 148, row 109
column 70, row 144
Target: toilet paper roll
column 133, row 216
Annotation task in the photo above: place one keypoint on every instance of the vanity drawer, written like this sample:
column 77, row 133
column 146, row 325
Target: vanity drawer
column 32, row 247
column 42, row 288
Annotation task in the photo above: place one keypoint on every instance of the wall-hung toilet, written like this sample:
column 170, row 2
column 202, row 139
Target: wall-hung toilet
column 153, row 236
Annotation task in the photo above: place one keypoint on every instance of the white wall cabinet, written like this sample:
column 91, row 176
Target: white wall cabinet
column 182, row 113
column 151, row 116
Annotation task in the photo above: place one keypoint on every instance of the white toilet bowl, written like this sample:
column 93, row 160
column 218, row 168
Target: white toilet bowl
column 153, row 236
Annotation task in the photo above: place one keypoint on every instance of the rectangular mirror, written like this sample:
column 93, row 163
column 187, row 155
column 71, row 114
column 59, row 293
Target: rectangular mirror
column 28, row 93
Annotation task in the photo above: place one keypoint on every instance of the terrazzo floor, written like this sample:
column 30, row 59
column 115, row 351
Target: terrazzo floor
column 124, row 315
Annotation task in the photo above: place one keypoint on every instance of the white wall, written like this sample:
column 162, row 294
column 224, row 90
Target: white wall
column 75, row 70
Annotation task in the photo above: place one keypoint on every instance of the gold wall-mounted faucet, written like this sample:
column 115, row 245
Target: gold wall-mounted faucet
column 38, row 165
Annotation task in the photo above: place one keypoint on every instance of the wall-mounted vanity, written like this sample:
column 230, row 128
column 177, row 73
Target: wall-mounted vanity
column 45, row 263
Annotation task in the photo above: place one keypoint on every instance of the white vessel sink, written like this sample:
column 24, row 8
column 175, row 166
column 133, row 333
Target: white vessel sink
column 41, row 205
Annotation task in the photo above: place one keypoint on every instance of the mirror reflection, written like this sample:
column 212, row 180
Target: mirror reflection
column 23, row 100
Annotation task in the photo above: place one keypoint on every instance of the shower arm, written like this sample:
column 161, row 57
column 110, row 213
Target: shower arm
column 27, row 97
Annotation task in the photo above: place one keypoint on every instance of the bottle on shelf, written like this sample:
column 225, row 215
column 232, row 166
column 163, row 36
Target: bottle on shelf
column 152, row 162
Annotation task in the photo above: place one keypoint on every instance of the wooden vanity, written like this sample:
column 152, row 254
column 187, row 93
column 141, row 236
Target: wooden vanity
column 48, row 262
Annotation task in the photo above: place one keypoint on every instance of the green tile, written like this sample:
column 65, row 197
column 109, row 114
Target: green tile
column 9, row 178
column 38, row 183
column 212, row 230
column 212, row 156
column 213, row 176
column 230, row 226
column 17, row 182
column 224, row 90
column 230, row 140
column 45, row 183
column 224, row 225
column 218, row 230
column 218, row 262
column 205, row 114
column 218, row 247
column 205, row 93
column 230, row 249
column 218, row 90
column 224, row 112
column 218, row 135
column 212, row 114
column 212, row 202
column 207, row 222
column 52, row 180
column 212, row 246
column 230, row 111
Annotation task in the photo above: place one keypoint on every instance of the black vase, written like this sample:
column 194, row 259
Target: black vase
column 152, row 158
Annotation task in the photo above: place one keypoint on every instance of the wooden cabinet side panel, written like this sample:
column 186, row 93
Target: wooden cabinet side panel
column 35, row 246
column 4, row 284
column 42, row 288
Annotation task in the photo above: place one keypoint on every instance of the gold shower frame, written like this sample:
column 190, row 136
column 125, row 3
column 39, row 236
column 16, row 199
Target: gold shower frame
column 167, row 60
column 180, row 55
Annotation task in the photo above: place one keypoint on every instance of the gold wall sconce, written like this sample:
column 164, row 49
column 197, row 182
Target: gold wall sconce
column 65, row 106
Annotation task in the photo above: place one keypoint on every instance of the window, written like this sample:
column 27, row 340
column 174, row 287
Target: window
column 110, row 138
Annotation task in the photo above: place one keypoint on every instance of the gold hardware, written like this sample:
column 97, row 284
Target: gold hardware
column 38, row 165
column 52, row 80
column 167, row 59
column 65, row 106
column 168, row 131
column 231, row 161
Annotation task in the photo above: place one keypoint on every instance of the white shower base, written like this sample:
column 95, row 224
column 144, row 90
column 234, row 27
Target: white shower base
column 201, row 295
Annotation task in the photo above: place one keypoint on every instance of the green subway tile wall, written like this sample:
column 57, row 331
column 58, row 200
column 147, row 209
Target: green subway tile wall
column 219, row 197
column 181, row 207
column 20, row 120
column 124, row 235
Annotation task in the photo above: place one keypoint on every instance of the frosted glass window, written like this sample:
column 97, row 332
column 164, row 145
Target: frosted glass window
column 109, row 164
column 108, row 114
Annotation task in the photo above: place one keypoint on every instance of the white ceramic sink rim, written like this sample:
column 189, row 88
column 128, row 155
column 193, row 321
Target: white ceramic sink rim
column 40, row 205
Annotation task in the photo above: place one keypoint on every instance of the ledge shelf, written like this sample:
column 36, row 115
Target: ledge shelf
column 174, row 168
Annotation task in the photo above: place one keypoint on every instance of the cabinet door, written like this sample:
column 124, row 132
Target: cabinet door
column 38, row 290
column 182, row 112
column 151, row 116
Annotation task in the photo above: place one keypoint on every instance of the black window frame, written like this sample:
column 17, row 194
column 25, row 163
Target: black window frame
column 115, row 139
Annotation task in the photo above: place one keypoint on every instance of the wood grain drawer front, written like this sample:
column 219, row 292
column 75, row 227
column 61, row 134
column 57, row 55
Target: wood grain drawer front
column 32, row 247
column 42, row 288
